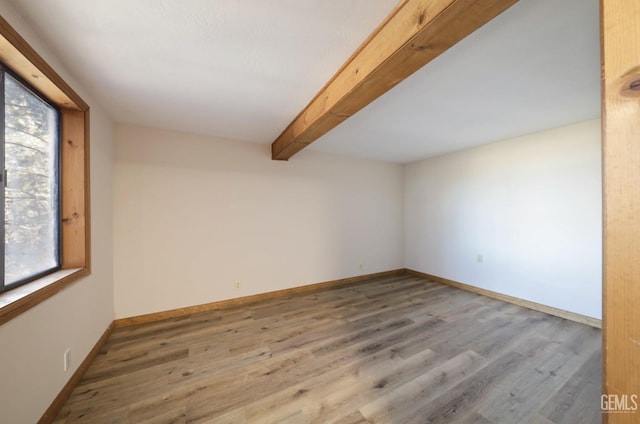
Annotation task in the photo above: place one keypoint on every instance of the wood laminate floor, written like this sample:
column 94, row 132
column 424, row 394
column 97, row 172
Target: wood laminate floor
column 391, row 350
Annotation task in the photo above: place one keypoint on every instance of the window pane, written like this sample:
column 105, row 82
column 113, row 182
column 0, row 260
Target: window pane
column 31, row 195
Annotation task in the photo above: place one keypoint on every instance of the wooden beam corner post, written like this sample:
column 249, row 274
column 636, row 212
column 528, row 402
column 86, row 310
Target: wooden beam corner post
column 620, row 32
column 415, row 33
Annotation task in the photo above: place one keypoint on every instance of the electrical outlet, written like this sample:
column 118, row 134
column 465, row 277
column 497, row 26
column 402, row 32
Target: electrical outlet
column 237, row 284
column 479, row 258
column 67, row 359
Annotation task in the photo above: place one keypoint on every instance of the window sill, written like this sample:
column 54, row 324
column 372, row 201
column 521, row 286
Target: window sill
column 23, row 298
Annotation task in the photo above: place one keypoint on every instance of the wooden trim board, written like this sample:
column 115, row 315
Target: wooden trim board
column 23, row 298
column 68, row 388
column 583, row 319
column 73, row 227
column 620, row 40
column 230, row 303
column 26, row 62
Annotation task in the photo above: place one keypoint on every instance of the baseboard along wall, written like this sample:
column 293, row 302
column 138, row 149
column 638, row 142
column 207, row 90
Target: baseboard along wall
column 246, row 300
column 571, row 316
column 68, row 388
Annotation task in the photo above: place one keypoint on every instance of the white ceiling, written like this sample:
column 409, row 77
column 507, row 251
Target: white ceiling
column 240, row 69
column 534, row 67
column 243, row 69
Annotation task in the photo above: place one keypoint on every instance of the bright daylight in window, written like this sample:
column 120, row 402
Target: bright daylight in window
column 30, row 204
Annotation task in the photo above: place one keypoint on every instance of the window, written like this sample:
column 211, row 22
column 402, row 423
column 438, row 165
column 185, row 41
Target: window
column 44, row 145
column 29, row 143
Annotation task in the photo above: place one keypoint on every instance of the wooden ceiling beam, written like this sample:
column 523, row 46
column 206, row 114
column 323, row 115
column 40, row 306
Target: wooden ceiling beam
column 415, row 33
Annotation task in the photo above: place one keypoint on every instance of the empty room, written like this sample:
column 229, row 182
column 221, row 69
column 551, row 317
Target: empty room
column 360, row 211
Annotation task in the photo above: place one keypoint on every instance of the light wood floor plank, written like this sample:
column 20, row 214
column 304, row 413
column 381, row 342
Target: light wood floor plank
column 571, row 404
column 397, row 349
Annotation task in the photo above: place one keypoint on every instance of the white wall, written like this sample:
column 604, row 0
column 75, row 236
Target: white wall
column 32, row 344
column 531, row 206
column 196, row 214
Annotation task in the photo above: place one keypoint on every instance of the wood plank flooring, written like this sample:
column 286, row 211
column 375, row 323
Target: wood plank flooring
column 390, row 350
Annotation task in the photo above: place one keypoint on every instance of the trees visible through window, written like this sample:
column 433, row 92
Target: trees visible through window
column 30, row 204
column 44, row 205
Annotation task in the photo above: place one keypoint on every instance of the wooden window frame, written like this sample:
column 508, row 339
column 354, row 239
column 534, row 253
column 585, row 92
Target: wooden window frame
column 75, row 231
